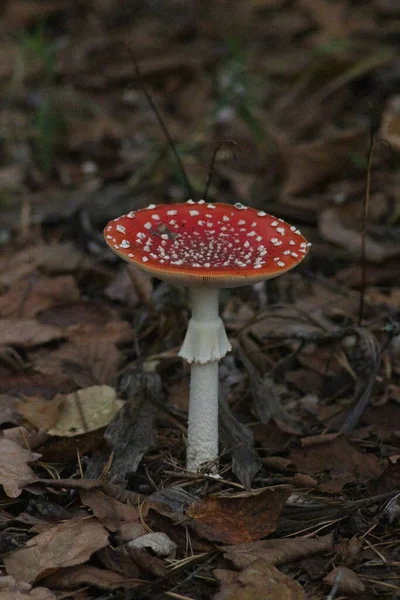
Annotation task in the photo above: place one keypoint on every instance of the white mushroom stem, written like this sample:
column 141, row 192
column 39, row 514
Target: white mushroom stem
column 205, row 344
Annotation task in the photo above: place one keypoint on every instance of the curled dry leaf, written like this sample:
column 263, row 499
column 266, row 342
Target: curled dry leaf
column 15, row 472
column 86, row 410
column 337, row 462
column 114, row 515
column 347, row 581
column 83, row 575
column 312, row 162
column 158, row 542
column 117, row 332
column 64, row 545
column 278, row 552
column 91, row 362
column 41, row 413
column 13, row 590
column 238, row 518
column 30, row 296
column 259, row 581
column 27, row 332
column 334, row 229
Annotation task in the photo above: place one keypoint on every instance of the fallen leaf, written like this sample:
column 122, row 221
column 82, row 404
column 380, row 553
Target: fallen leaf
column 238, row 518
column 13, row 590
column 40, row 412
column 113, row 514
column 259, row 581
column 67, row 544
column 8, row 410
column 86, row 410
column 278, row 552
column 27, row 332
column 334, row 228
column 14, row 470
column 117, row 332
column 29, row 297
column 91, row 362
column 51, row 258
column 83, row 575
column 347, row 581
column 337, row 462
column 312, row 162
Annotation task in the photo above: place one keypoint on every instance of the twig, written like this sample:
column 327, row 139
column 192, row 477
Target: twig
column 160, row 119
column 212, row 164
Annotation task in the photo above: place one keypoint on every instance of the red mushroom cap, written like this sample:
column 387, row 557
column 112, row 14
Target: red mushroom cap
column 203, row 244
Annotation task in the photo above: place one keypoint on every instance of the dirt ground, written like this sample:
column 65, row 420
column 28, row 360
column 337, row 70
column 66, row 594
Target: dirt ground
column 298, row 101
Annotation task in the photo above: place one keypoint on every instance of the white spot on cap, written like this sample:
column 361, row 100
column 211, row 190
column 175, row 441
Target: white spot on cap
column 121, row 229
column 151, row 206
column 274, row 223
column 145, row 258
column 261, row 213
column 210, row 205
column 241, row 222
column 240, row 206
column 193, row 213
column 280, row 263
column 125, row 244
column 190, row 202
column 131, row 215
column 281, row 230
column 147, row 225
column 171, row 212
column 201, row 202
column 155, row 217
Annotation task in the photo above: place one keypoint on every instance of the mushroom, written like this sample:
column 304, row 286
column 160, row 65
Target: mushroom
column 206, row 247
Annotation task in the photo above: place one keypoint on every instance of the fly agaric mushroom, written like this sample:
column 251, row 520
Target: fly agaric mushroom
column 205, row 247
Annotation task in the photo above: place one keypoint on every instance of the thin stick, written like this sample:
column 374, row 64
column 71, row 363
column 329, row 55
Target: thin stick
column 212, row 163
column 335, row 586
column 367, row 199
column 160, row 120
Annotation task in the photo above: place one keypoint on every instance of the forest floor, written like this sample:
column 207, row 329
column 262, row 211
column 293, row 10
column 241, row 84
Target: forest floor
column 96, row 502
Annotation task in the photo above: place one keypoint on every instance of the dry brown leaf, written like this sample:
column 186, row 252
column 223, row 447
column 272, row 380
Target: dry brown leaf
column 348, row 582
column 337, row 462
column 278, row 552
column 238, row 518
column 41, row 413
column 13, row 590
column 259, row 581
column 117, row 332
column 29, row 297
column 8, row 410
column 113, row 514
column 51, row 258
column 83, row 575
column 27, row 332
column 334, row 229
column 312, row 162
column 23, row 12
column 92, row 362
column 14, row 470
column 64, row 545
column 86, row 410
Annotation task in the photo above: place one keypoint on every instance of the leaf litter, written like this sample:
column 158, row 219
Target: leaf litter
column 305, row 505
